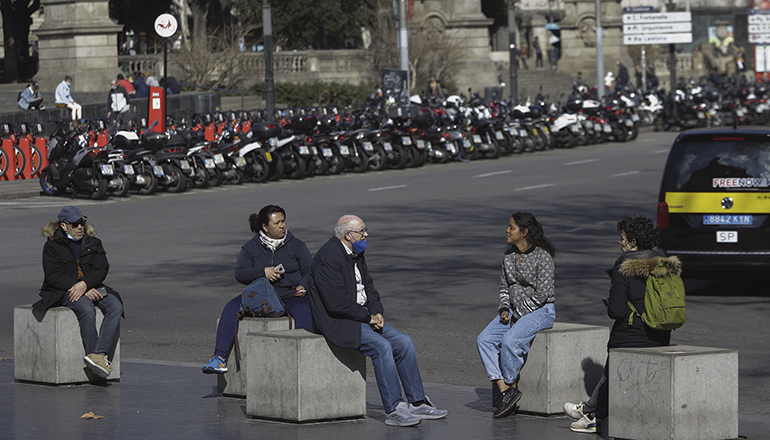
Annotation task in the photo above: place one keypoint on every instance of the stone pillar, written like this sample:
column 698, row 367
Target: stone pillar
column 77, row 39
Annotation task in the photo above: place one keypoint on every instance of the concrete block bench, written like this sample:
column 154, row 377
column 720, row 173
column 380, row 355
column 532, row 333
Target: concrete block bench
column 233, row 383
column 297, row 376
column 563, row 363
column 678, row 392
column 51, row 351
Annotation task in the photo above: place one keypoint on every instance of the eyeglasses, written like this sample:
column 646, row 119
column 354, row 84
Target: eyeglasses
column 361, row 232
column 81, row 222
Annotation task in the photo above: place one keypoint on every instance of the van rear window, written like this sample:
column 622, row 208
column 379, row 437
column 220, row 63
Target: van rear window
column 719, row 167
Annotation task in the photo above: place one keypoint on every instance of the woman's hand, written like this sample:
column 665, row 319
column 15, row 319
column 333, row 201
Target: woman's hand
column 272, row 275
column 505, row 317
column 300, row 291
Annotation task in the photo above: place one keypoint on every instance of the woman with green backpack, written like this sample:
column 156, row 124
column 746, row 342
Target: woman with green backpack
column 638, row 262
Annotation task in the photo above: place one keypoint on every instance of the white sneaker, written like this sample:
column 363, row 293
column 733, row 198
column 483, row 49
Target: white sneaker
column 574, row 411
column 427, row 411
column 585, row 424
column 401, row 416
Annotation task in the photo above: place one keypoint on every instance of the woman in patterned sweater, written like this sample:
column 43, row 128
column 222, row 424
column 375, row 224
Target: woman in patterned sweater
column 526, row 307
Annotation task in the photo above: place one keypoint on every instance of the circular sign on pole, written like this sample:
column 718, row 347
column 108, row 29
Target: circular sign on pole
column 165, row 25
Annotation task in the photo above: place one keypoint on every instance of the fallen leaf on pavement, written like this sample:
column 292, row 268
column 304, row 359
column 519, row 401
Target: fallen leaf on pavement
column 90, row 415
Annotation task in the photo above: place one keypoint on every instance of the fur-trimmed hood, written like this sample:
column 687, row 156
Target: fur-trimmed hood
column 644, row 267
column 50, row 229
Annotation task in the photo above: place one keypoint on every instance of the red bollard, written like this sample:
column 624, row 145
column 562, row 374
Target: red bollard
column 26, row 172
column 42, row 146
column 10, row 157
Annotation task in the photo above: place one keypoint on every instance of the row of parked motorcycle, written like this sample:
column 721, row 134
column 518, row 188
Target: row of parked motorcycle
column 114, row 157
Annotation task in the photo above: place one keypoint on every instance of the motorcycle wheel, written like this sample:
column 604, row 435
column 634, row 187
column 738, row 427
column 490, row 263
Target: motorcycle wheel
column 20, row 161
column 35, row 160
column 320, row 165
column 360, row 161
column 378, row 160
column 529, row 144
column 633, row 132
column 260, row 169
column 581, row 139
column 298, row 165
column 217, row 177
column 517, row 146
column 3, row 163
column 200, row 176
column 100, row 192
column 336, row 163
column 277, row 172
column 422, row 156
column 399, row 158
column 620, row 134
column 238, row 179
column 122, row 185
column 411, row 156
column 178, row 180
column 539, row 143
column 151, row 186
column 46, row 183
column 494, row 153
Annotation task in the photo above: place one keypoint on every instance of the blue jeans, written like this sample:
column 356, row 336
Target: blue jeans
column 298, row 307
column 393, row 357
column 502, row 346
column 102, row 342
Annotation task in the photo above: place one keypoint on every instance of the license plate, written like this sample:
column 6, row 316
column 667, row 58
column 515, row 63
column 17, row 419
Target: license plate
column 466, row 143
column 545, row 129
column 387, row 146
column 406, row 140
column 344, row 150
column 476, row 138
column 209, row 164
column 635, row 118
column 240, row 161
column 107, row 170
column 452, row 149
column 368, row 146
column 499, row 135
column 629, row 123
column 522, row 132
column 314, row 150
column 184, row 165
column 273, row 142
column 327, row 152
column 219, row 158
column 717, row 219
column 128, row 169
column 607, row 128
column 268, row 156
column 727, row 236
column 420, row 144
column 597, row 126
column 303, row 150
column 158, row 170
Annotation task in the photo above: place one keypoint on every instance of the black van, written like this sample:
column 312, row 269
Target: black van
column 714, row 204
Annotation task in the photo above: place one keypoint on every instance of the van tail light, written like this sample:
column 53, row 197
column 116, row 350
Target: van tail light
column 662, row 215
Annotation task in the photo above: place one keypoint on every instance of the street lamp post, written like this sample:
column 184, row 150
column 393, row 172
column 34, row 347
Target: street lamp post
column 267, row 25
column 513, row 52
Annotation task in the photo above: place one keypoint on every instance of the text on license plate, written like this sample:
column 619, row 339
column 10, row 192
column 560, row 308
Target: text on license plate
column 727, row 236
column 728, row 219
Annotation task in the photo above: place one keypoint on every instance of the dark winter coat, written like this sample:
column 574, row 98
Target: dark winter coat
column 628, row 281
column 336, row 314
column 294, row 255
column 61, row 269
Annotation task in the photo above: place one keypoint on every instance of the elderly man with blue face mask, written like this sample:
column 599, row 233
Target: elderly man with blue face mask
column 346, row 309
column 75, row 266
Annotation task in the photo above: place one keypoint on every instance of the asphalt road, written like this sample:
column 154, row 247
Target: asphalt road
column 437, row 236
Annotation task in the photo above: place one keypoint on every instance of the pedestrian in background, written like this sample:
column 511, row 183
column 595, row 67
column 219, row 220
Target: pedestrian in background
column 64, row 98
column 538, row 54
column 30, row 99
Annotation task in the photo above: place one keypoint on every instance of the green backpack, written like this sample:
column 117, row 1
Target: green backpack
column 663, row 301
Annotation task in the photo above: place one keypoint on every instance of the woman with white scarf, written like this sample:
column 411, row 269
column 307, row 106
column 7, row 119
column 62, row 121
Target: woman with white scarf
column 273, row 253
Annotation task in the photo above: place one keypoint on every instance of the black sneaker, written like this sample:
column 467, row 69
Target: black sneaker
column 507, row 402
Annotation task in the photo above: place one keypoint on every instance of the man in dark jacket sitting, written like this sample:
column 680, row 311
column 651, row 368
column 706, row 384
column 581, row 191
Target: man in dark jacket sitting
column 75, row 266
column 346, row 309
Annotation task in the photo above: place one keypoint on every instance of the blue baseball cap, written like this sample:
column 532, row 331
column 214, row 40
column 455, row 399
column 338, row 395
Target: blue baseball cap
column 70, row 214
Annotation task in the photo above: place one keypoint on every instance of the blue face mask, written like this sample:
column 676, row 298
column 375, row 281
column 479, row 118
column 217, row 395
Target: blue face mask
column 359, row 246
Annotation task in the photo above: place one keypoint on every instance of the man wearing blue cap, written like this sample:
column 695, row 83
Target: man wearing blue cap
column 75, row 266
